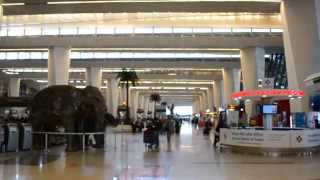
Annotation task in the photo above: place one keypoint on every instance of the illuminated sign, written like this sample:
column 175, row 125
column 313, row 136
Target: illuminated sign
column 267, row 93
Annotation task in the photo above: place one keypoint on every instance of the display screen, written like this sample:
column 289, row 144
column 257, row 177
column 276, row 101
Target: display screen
column 269, row 109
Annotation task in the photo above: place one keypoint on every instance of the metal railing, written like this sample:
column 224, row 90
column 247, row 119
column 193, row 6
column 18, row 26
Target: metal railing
column 46, row 135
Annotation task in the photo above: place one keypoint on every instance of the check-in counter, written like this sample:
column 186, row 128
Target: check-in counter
column 11, row 137
column 25, row 136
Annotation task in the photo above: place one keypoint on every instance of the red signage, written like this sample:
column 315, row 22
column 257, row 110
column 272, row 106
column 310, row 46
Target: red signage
column 267, row 93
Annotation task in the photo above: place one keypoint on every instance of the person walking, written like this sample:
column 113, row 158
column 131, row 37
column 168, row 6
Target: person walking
column 169, row 129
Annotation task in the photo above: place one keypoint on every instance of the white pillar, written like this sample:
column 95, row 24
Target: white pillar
column 113, row 96
column 195, row 107
column 122, row 95
column 58, row 65
column 228, row 84
column 217, row 94
column 201, row 103
column 14, row 87
column 94, row 76
column 301, row 21
column 1, row 11
column 135, row 104
column 204, row 100
column 253, row 69
column 141, row 101
column 210, row 98
column 236, row 73
column 146, row 103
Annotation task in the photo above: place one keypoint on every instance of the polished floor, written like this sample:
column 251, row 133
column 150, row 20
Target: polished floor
column 189, row 157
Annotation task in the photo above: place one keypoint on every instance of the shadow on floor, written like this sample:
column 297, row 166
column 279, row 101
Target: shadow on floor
column 29, row 158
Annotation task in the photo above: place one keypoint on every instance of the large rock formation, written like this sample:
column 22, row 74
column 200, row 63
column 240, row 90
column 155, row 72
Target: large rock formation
column 77, row 110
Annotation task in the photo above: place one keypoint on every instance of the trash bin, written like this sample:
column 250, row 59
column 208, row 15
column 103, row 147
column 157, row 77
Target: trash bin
column 25, row 136
column 11, row 137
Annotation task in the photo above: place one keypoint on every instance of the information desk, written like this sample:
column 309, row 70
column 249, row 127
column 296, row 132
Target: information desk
column 279, row 138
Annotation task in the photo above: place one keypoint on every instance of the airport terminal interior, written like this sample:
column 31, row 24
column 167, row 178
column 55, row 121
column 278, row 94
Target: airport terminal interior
column 159, row 89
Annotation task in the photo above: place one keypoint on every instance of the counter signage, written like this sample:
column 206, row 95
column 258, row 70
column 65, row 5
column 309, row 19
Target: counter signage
column 309, row 138
column 255, row 138
column 270, row 138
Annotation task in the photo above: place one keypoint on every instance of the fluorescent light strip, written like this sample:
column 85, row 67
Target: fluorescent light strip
column 79, row 70
column 45, row 30
column 168, row 88
column 11, row 55
column 12, row 4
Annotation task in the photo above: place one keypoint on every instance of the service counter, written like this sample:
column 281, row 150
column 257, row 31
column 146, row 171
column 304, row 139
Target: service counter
column 276, row 139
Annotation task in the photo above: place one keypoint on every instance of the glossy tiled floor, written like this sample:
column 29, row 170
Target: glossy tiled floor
column 190, row 157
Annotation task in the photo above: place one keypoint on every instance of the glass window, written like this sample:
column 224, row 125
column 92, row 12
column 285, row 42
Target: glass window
column 241, row 30
column 12, row 55
column 87, row 30
column 201, row 30
column 140, row 55
column 45, row 55
column 15, row 31
column 3, row 31
column 124, row 30
column 35, row 55
column 86, row 55
column 99, row 55
column 221, row 30
column 75, row 55
column 114, row 55
column 24, row 55
column 105, row 30
column 182, row 30
column 260, row 30
column 162, row 30
column 50, row 30
column 143, row 30
column 2, row 55
column 68, row 30
column 276, row 30
column 33, row 31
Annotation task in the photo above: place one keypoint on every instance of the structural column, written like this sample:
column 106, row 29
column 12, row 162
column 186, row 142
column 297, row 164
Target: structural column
column 236, row 73
column 122, row 95
column 195, row 105
column 14, row 87
column 58, row 65
column 253, row 69
column 146, row 104
column 228, row 84
column 301, row 41
column 217, row 94
column 134, row 103
column 210, row 98
column 113, row 93
column 94, row 76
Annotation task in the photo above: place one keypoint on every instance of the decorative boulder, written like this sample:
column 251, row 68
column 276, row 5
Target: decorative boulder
column 76, row 110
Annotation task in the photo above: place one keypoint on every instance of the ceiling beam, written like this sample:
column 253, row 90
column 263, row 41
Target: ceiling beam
column 41, row 7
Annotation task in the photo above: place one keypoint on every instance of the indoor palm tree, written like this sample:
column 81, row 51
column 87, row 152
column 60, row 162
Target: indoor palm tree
column 126, row 78
column 155, row 97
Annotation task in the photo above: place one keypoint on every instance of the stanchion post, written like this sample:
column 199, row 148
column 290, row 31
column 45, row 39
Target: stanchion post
column 115, row 140
column 46, row 142
column 83, row 142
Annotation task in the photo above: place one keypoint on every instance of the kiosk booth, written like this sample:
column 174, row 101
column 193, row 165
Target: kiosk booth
column 274, row 134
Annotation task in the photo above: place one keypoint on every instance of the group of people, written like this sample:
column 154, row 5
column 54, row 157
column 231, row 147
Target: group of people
column 155, row 128
column 208, row 125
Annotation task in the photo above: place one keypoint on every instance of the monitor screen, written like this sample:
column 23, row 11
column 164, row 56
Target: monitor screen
column 269, row 109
